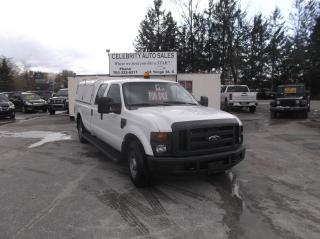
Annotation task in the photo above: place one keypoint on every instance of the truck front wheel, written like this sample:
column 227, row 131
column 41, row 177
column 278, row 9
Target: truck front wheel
column 52, row 112
column 139, row 174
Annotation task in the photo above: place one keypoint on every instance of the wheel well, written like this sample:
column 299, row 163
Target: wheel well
column 78, row 118
column 127, row 139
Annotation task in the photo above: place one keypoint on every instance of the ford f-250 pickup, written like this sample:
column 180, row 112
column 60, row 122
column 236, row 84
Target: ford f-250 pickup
column 157, row 126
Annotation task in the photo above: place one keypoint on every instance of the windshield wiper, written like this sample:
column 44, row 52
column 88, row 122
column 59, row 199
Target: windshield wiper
column 179, row 102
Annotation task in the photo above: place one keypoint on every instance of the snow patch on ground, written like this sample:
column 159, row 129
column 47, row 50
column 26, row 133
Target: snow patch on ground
column 44, row 136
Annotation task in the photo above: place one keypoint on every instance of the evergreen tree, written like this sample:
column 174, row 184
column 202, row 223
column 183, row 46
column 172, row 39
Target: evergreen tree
column 157, row 31
column 257, row 60
column 6, row 74
column 190, row 27
column 313, row 73
column 302, row 23
column 226, row 18
column 199, row 41
column 212, row 44
column 276, row 49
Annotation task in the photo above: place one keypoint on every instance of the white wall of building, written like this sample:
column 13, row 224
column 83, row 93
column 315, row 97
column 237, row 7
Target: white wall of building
column 204, row 85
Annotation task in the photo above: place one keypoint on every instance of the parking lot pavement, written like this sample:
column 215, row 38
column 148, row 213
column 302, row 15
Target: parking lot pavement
column 54, row 187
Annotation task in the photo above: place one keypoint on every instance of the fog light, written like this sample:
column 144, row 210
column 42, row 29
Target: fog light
column 161, row 148
column 278, row 102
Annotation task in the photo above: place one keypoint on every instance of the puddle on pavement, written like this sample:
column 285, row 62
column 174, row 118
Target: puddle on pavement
column 239, row 216
column 44, row 136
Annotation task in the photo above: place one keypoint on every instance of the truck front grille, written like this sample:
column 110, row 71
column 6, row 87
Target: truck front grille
column 193, row 138
column 58, row 101
column 290, row 103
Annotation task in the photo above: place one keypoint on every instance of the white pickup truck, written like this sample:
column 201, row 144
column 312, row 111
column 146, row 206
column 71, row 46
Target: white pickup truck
column 238, row 96
column 157, row 126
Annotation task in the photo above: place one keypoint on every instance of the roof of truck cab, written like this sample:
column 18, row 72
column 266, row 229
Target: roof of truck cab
column 123, row 80
column 236, row 85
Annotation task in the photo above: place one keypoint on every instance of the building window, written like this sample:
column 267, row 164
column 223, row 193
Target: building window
column 187, row 84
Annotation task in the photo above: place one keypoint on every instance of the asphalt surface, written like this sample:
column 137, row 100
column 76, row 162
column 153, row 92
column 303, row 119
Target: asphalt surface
column 52, row 186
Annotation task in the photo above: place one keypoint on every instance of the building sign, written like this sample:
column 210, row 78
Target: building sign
column 136, row 64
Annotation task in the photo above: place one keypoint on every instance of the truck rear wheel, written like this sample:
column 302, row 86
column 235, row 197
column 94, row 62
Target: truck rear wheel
column 81, row 131
column 52, row 112
column 139, row 174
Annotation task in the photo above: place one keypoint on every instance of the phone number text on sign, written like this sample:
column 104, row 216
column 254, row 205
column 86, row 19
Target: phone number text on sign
column 124, row 72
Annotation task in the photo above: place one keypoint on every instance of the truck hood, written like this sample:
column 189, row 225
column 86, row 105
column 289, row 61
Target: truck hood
column 165, row 116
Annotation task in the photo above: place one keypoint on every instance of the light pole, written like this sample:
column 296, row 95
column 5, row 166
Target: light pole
column 108, row 52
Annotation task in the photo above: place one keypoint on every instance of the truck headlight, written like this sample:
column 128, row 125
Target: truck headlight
column 297, row 102
column 303, row 102
column 28, row 103
column 160, row 142
column 161, row 148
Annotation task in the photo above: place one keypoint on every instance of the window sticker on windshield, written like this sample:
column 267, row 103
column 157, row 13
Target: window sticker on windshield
column 290, row 90
column 157, row 95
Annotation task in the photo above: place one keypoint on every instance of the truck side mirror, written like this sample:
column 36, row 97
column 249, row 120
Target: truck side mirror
column 204, row 101
column 106, row 106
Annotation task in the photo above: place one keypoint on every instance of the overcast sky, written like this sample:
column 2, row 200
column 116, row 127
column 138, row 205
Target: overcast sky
column 52, row 35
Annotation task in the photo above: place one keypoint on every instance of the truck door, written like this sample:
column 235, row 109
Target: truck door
column 95, row 116
column 108, row 126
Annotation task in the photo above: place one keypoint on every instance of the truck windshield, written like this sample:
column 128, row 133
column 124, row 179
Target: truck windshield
column 62, row 93
column 144, row 94
column 238, row 88
column 289, row 91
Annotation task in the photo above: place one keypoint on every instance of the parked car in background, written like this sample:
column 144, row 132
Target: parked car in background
column 11, row 94
column 290, row 98
column 7, row 108
column 238, row 97
column 59, row 101
column 29, row 102
column 265, row 93
column 46, row 95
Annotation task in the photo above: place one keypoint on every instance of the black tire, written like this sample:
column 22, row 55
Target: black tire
column 226, row 106
column 81, row 131
column 44, row 110
column 138, row 170
column 252, row 109
column 273, row 115
column 13, row 116
column 52, row 112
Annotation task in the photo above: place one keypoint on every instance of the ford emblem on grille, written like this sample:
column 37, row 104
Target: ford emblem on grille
column 214, row 138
